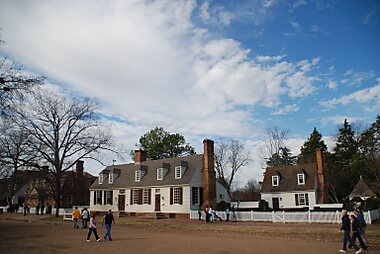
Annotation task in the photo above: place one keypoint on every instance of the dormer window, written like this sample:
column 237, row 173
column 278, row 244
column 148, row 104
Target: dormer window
column 160, row 173
column 178, row 172
column 137, row 175
column 301, row 179
column 110, row 178
column 101, row 179
column 275, row 180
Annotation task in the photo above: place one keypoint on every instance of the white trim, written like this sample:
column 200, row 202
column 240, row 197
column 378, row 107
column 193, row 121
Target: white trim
column 301, row 177
column 160, row 174
column 110, row 178
column 138, row 175
column 275, row 180
column 101, row 178
column 178, row 172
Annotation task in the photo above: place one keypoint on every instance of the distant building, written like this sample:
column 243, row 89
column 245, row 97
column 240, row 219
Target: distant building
column 297, row 186
column 33, row 188
column 170, row 187
column 362, row 191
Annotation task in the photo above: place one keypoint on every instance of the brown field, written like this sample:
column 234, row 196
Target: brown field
column 45, row 234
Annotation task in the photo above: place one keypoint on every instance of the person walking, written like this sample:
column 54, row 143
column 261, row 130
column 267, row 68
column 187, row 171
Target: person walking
column 360, row 218
column 346, row 228
column 107, row 220
column 85, row 217
column 92, row 229
column 76, row 216
column 356, row 231
column 227, row 214
column 199, row 213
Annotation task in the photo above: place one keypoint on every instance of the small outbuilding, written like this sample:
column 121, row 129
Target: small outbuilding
column 362, row 191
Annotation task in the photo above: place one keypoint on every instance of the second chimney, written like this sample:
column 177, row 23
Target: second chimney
column 322, row 193
column 79, row 168
column 140, row 156
column 208, row 174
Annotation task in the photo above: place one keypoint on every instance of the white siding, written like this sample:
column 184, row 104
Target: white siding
column 222, row 194
column 287, row 199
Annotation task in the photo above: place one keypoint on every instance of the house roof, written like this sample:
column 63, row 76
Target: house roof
column 288, row 178
column 362, row 190
column 126, row 173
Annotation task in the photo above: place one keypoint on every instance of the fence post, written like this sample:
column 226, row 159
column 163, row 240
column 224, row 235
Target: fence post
column 251, row 215
column 273, row 216
column 309, row 216
column 283, row 216
column 369, row 217
column 337, row 216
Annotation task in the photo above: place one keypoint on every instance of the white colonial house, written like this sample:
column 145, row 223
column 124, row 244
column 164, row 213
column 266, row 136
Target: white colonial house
column 170, row 187
column 295, row 187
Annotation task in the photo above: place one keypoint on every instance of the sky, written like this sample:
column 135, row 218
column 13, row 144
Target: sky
column 206, row 68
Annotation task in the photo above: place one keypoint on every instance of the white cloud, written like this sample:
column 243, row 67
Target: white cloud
column 332, row 84
column 364, row 96
column 286, row 109
column 151, row 66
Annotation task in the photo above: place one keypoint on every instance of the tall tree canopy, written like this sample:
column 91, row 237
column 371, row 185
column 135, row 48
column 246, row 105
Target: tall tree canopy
column 345, row 162
column 314, row 141
column 160, row 144
column 61, row 130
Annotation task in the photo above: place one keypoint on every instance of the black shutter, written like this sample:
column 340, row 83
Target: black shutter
column 193, row 195
column 307, row 198
column 149, row 196
column 296, row 199
column 140, row 196
column 111, row 201
column 201, row 196
column 131, row 198
column 94, row 197
column 105, row 197
column 171, row 196
column 180, row 195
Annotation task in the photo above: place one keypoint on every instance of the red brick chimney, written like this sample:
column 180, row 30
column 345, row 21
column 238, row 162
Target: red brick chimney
column 322, row 192
column 140, row 156
column 79, row 168
column 208, row 174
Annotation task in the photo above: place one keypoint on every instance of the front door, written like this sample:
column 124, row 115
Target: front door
column 157, row 206
column 276, row 204
column 121, row 204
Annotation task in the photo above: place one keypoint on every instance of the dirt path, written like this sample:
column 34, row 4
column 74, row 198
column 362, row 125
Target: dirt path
column 38, row 236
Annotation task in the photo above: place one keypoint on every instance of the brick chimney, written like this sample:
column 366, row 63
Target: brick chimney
column 322, row 192
column 79, row 168
column 140, row 156
column 208, row 174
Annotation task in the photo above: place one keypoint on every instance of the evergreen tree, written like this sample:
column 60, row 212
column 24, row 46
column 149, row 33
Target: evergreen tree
column 345, row 163
column 282, row 158
column 314, row 141
column 369, row 147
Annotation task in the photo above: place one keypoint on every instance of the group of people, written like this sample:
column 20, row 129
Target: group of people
column 108, row 219
column 353, row 227
column 212, row 215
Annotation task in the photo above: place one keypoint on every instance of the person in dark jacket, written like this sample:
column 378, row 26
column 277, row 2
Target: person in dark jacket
column 107, row 220
column 356, row 231
column 346, row 228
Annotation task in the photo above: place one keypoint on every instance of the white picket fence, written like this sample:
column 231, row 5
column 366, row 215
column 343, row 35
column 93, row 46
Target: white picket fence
column 287, row 216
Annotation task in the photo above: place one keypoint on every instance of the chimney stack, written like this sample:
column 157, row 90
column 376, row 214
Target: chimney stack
column 140, row 156
column 208, row 174
column 79, row 168
column 322, row 192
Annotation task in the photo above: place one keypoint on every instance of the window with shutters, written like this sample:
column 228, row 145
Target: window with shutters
column 137, row 196
column 195, row 195
column 176, row 195
column 302, row 199
column 98, row 197
column 146, row 196
column 108, row 195
column 110, row 178
column 101, row 179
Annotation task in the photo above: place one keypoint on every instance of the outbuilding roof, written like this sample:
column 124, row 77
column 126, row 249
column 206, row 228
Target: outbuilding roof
column 362, row 190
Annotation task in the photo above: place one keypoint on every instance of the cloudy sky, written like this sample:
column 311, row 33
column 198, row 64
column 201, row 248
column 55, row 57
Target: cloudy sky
column 206, row 68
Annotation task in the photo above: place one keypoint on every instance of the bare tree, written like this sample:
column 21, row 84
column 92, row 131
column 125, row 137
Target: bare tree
column 230, row 157
column 63, row 129
column 15, row 84
column 274, row 141
column 15, row 153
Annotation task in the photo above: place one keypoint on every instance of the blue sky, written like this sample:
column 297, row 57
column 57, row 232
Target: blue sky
column 206, row 69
